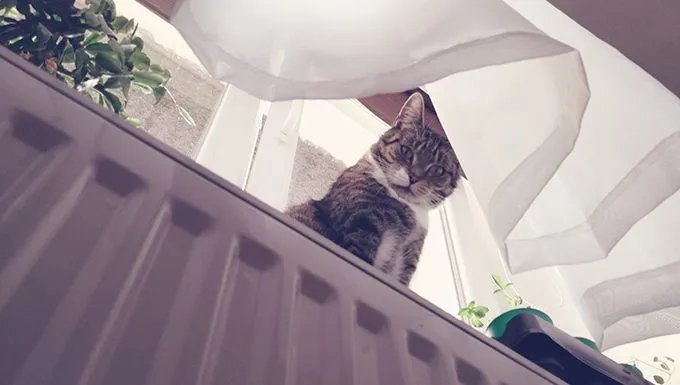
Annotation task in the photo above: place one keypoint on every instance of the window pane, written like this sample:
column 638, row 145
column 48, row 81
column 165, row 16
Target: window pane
column 191, row 86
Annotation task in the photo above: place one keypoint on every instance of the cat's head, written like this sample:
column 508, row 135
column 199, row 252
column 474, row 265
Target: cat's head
column 418, row 163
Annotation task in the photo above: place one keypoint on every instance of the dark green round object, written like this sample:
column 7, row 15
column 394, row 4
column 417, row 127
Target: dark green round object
column 590, row 343
column 497, row 327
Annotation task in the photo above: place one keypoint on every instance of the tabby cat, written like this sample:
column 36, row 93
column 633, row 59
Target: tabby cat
column 378, row 208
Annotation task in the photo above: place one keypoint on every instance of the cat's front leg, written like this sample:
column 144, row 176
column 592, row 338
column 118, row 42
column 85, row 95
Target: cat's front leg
column 360, row 235
column 411, row 256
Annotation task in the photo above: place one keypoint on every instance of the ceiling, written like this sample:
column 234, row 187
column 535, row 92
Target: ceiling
column 646, row 31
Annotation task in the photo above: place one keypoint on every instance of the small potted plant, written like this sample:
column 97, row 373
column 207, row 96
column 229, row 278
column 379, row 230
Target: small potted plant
column 474, row 313
column 662, row 368
column 498, row 325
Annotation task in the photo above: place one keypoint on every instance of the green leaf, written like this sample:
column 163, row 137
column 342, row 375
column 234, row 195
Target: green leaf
column 159, row 92
column 498, row 281
column 480, row 311
column 43, row 35
column 133, row 121
column 97, row 22
column 91, row 17
column 117, row 82
column 119, row 22
column 123, row 25
column 161, row 71
column 659, row 380
column 149, row 78
column 68, row 55
column 476, row 323
column 140, row 61
column 145, row 89
column 95, row 48
column 125, row 87
column 128, row 50
column 109, row 11
column 109, row 63
column 138, row 42
column 97, row 6
column 112, row 101
column 105, row 7
column 82, row 58
column 117, row 49
column 93, row 37
column 111, row 82
column 134, row 31
column 9, row 33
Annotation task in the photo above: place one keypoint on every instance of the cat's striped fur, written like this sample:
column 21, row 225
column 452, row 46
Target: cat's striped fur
column 378, row 208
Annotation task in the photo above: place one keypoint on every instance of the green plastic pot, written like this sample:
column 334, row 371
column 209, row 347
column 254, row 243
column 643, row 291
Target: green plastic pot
column 497, row 327
column 589, row 343
column 633, row 370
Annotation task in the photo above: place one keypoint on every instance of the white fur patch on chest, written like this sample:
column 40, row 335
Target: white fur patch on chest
column 385, row 256
column 420, row 213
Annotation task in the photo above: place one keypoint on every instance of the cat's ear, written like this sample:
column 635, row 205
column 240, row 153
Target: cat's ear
column 412, row 113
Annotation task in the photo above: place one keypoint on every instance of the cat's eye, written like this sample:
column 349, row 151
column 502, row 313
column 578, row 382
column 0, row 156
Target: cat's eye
column 435, row 171
column 406, row 153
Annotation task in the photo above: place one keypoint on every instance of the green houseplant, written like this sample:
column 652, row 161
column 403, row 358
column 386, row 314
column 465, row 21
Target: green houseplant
column 498, row 325
column 475, row 314
column 91, row 48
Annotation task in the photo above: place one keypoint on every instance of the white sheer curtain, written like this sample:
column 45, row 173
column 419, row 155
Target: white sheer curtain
column 607, row 205
column 291, row 49
column 609, row 213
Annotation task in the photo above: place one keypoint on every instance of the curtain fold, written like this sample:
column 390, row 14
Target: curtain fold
column 606, row 214
column 308, row 49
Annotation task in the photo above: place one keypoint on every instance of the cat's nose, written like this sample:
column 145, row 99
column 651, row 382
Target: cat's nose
column 416, row 172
